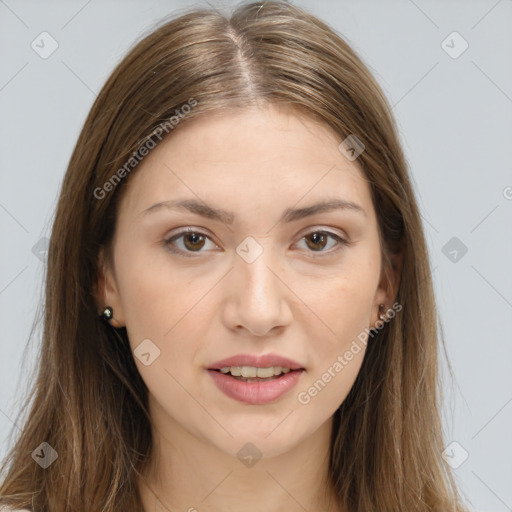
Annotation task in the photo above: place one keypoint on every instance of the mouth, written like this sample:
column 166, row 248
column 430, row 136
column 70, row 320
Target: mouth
column 249, row 388
column 254, row 374
column 256, row 379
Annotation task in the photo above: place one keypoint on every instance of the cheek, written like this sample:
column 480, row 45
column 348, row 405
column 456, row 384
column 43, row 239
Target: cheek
column 339, row 349
column 150, row 293
column 344, row 299
column 166, row 305
column 162, row 310
column 343, row 305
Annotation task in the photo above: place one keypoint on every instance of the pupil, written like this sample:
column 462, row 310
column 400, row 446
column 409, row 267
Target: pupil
column 318, row 238
column 195, row 238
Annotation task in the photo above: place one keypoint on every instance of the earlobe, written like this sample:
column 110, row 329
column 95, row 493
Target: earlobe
column 388, row 286
column 106, row 293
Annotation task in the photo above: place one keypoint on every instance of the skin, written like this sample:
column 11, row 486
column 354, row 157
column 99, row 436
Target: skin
column 300, row 298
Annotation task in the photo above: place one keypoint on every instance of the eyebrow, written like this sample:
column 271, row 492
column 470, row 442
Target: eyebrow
column 227, row 217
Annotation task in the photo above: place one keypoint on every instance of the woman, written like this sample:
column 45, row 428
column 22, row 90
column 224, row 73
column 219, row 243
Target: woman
column 239, row 307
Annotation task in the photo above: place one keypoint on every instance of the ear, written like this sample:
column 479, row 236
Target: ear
column 388, row 285
column 106, row 292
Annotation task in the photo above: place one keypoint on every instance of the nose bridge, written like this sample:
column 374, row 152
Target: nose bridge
column 258, row 281
column 259, row 300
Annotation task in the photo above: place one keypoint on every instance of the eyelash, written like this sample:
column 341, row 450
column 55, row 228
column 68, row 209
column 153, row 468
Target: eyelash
column 342, row 243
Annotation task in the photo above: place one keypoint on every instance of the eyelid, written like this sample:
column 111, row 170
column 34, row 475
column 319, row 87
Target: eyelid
column 318, row 228
column 343, row 240
column 168, row 239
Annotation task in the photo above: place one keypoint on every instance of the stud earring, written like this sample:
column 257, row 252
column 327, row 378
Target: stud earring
column 107, row 314
column 381, row 316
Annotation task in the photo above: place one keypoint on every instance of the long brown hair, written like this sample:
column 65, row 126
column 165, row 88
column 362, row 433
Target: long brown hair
column 89, row 402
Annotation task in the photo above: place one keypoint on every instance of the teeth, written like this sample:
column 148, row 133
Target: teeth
column 236, row 371
column 251, row 371
column 264, row 373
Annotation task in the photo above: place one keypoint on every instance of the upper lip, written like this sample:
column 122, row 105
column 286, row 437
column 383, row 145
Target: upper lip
column 258, row 361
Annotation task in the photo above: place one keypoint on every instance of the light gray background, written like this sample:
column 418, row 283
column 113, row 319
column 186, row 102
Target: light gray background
column 455, row 119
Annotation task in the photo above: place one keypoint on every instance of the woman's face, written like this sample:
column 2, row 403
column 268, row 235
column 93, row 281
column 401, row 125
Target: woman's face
column 247, row 265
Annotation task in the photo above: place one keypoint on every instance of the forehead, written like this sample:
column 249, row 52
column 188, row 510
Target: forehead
column 250, row 159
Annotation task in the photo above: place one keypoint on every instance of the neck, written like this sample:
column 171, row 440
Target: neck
column 188, row 473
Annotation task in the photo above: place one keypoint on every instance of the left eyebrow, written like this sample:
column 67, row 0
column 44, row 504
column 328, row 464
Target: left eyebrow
column 227, row 217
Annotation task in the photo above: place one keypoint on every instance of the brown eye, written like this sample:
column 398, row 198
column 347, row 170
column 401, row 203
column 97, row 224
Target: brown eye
column 320, row 242
column 193, row 241
column 187, row 242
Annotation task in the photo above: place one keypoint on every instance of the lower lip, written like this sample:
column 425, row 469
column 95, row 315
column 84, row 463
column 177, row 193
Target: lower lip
column 255, row 393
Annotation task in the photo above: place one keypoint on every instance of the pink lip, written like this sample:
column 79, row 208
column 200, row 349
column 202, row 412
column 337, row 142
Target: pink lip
column 263, row 361
column 255, row 393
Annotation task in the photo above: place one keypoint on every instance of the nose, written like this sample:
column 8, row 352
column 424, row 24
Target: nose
column 257, row 297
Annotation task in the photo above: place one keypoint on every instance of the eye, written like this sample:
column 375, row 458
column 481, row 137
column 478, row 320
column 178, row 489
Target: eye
column 317, row 241
column 193, row 242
